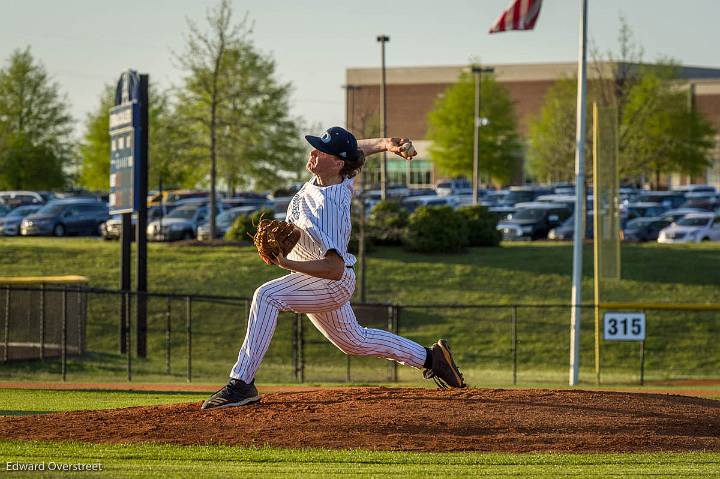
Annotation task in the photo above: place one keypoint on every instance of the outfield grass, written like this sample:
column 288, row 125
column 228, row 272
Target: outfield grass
column 679, row 345
column 22, row 402
column 152, row 460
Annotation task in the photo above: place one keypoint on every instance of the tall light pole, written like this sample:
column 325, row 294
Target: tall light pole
column 349, row 124
column 478, row 122
column 383, row 116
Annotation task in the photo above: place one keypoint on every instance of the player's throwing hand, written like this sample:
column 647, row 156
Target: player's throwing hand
column 401, row 147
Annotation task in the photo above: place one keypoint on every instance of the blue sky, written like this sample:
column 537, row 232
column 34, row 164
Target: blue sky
column 85, row 44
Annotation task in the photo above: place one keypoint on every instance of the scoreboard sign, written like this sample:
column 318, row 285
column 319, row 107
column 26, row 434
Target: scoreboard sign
column 124, row 154
column 624, row 326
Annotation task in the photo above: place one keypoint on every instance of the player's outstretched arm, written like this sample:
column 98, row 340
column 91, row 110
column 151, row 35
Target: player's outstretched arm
column 400, row 146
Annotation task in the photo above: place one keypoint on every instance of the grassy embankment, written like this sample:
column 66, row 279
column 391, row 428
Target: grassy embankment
column 679, row 344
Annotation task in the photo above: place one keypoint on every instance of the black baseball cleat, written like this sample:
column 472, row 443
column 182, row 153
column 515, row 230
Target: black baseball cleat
column 444, row 371
column 234, row 393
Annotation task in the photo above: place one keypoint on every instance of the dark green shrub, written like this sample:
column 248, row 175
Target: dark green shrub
column 482, row 226
column 438, row 229
column 387, row 223
column 246, row 225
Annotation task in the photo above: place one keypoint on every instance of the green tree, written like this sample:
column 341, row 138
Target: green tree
column 451, row 130
column 660, row 132
column 551, row 139
column 35, row 126
column 233, row 110
column 165, row 159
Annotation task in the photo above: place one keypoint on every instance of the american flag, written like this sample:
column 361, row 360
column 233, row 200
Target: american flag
column 520, row 15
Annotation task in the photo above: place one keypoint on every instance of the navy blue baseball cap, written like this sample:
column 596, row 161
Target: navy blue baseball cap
column 335, row 141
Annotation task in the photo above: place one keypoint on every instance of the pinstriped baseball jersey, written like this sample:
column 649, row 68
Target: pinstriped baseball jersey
column 323, row 215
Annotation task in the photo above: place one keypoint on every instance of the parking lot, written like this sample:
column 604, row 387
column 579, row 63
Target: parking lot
column 689, row 213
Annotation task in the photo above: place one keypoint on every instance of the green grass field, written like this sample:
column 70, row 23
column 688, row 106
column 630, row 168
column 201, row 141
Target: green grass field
column 679, row 345
column 160, row 461
column 157, row 460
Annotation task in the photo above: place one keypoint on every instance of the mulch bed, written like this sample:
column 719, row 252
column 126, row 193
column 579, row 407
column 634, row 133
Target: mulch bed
column 406, row 419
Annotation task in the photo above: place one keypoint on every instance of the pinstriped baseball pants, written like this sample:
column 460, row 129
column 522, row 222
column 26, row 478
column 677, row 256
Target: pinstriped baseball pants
column 327, row 305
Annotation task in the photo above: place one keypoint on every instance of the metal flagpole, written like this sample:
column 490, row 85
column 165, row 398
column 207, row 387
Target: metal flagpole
column 579, row 203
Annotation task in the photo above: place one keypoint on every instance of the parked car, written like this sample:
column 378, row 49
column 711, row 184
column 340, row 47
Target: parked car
column 453, row 187
column 676, row 214
column 494, row 198
column 644, row 229
column 18, row 198
column 566, row 231
column 563, row 189
column 281, row 200
column 641, row 210
column 48, row 196
column 181, row 224
column 566, row 200
column 501, row 212
column 4, row 209
column 397, row 191
column 172, row 196
column 224, row 221
column 532, row 221
column 703, row 200
column 256, row 202
column 668, row 199
column 693, row 228
column 10, row 223
column 524, row 194
column 412, row 203
column 421, row 192
column 628, row 194
column 112, row 228
column 74, row 216
column 685, row 189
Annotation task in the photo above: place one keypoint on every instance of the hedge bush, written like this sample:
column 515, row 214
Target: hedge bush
column 482, row 226
column 438, row 229
column 246, row 225
column 387, row 223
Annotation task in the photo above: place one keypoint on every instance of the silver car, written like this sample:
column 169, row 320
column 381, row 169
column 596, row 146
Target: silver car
column 10, row 223
column 692, row 228
column 181, row 224
column 224, row 221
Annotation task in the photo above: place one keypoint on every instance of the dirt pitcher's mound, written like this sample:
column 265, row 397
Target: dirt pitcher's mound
column 406, row 419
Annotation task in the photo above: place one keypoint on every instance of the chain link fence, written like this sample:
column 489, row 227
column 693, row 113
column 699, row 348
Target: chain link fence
column 83, row 333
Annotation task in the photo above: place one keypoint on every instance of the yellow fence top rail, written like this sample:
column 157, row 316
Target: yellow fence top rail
column 662, row 306
column 66, row 279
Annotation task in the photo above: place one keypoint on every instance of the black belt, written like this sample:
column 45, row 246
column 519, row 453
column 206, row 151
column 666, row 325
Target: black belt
column 349, row 267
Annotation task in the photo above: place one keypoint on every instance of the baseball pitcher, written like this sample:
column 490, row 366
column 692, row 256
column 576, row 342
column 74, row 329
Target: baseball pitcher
column 312, row 244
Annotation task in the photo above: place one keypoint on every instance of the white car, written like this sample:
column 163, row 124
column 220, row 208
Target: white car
column 692, row 228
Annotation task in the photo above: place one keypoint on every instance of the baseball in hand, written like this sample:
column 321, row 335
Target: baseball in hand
column 409, row 150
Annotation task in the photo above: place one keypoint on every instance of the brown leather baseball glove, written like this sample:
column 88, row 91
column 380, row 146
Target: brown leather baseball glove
column 275, row 237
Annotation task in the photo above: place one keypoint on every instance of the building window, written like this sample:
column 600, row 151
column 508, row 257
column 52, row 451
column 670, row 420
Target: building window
column 420, row 172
